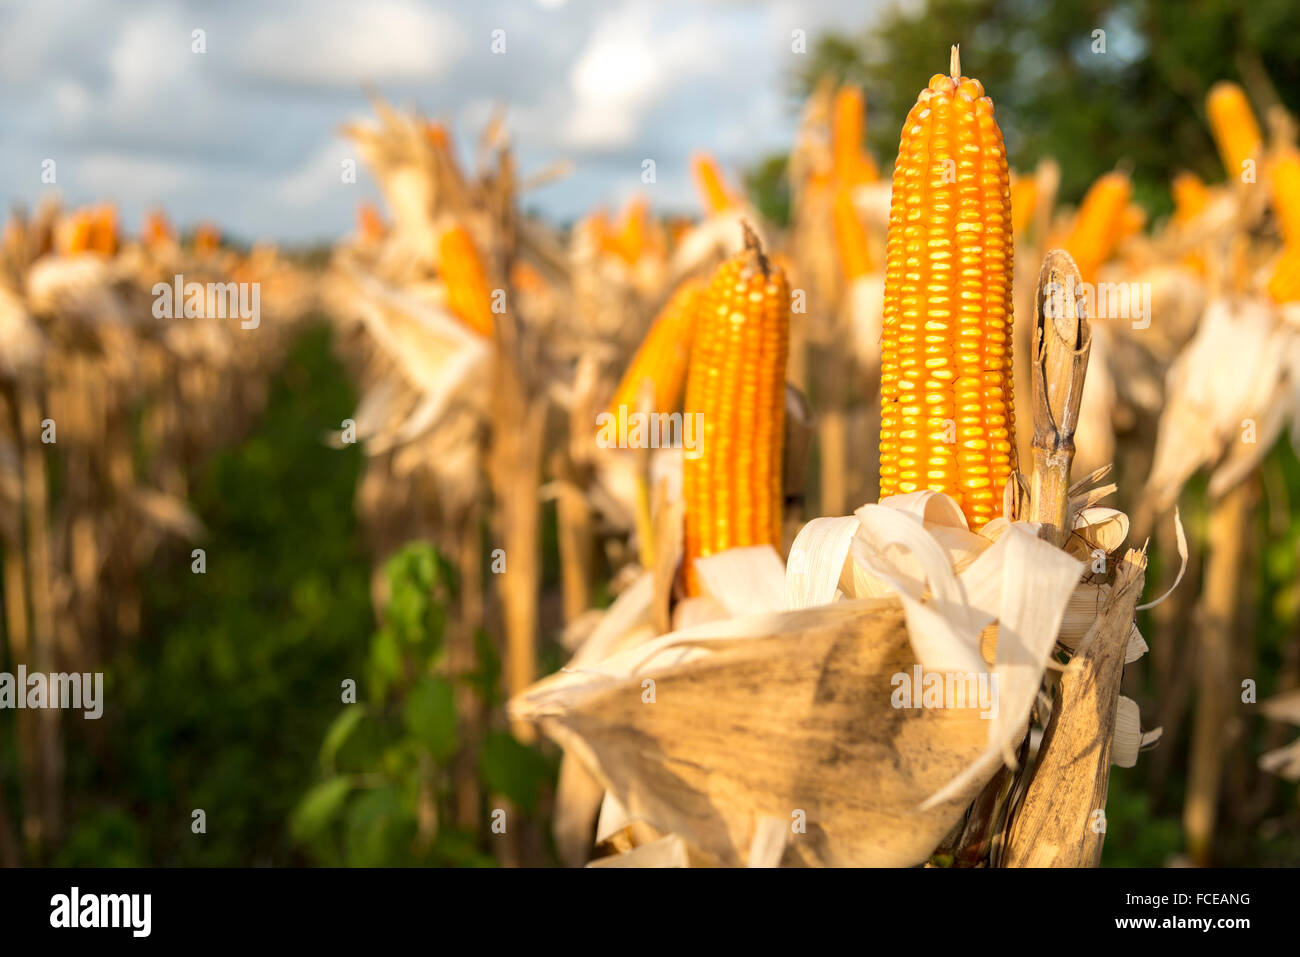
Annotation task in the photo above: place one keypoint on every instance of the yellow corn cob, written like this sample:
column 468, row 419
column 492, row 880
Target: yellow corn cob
column 1099, row 224
column 1024, row 194
column 662, row 356
column 1190, row 197
column 947, row 420
column 1286, row 194
column 370, row 225
column 1131, row 222
column 736, row 382
column 207, row 239
column 73, row 234
column 1232, row 123
column 103, row 229
column 156, row 230
column 852, row 164
column 713, row 188
column 462, row 271
column 1284, row 286
column 850, row 237
column 629, row 243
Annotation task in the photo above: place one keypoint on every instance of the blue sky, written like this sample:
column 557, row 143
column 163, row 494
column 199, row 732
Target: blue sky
column 246, row 134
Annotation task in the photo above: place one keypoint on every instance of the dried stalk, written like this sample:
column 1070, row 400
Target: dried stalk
column 1057, row 824
column 516, row 460
column 42, row 817
column 1229, row 518
column 1062, row 341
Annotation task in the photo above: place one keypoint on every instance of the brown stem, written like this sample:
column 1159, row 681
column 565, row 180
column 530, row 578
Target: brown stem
column 1214, row 679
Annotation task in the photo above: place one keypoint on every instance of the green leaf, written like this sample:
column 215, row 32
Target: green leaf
column 514, row 770
column 338, row 734
column 430, row 715
column 318, row 808
column 379, row 830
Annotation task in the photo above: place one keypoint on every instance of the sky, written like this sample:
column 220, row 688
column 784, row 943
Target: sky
column 246, row 133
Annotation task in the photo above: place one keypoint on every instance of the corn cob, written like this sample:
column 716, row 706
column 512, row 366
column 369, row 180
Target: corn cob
column 1131, row 222
column 629, row 242
column 1024, row 194
column 662, row 356
column 207, row 239
column 736, row 382
column 713, row 188
column 370, row 225
column 1284, row 285
column 1233, row 125
column 1099, row 224
column 852, row 164
column 1286, row 194
column 468, row 295
column 103, row 230
column 947, row 419
column 1190, row 197
column 850, row 237
column 156, row 230
column 72, row 235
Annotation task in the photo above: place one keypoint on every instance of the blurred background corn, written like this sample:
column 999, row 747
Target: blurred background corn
column 946, row 419
column 1100, row 223
column 468, row 295
column 853, row 165
column 736, row 381
column 1233, row 126
column 1285, row 173
column 663, row 356
column 850, row 237
column 715, row 193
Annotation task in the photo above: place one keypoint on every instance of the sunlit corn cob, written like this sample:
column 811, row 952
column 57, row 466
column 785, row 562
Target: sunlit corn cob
column 736, row 383
column 1285, row 176
column 468, row 295
column 1190, row 197
column 850, row 237
column 629, row 242
column 852, row 163
column 947, row 420
column 103, row 230
column 1284, row 286
column 1099, row 223
column 156, row 230
column 663, row 355
column 1233, row 125
column 1131, row 222
column 370, row 225
column 207, row 239
column 713, row 188
column 1024, row 194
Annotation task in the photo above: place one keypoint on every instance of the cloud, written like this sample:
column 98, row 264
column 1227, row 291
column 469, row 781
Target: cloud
column 626, row 67
column 246, row 132
column 339, row 45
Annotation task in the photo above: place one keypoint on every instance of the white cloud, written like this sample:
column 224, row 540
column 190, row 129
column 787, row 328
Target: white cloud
column 341, row 44
column 314, row 180
column 626, row 67
column 128, row 178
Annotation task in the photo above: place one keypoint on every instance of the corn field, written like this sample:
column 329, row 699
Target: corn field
column 937, row 515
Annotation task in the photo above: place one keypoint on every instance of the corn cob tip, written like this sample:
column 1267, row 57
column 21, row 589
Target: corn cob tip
column 755, row 245
column 954, row 62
